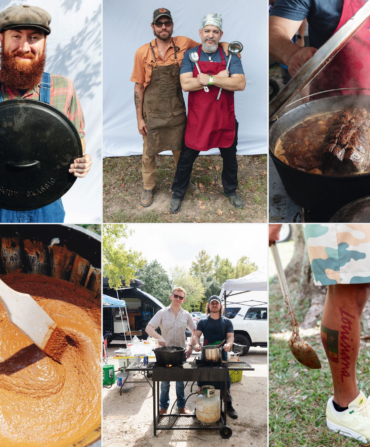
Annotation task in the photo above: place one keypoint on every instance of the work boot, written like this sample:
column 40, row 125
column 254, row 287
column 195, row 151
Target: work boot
column 184, row 410
column 147, row 197
column 175, row 205
column 231, row 411
column 235, row 200
column 193, row 188
column 163, row 411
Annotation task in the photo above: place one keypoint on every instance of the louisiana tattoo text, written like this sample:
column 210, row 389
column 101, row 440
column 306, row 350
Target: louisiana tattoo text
column 345, row 345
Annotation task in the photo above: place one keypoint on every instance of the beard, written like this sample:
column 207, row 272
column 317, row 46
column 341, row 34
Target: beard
column 17, row 74
column 209, row 49
column 158, row 35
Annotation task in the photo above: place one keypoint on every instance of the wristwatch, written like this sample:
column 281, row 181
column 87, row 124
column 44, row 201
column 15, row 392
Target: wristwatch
column 210, row 82
column 299, row 36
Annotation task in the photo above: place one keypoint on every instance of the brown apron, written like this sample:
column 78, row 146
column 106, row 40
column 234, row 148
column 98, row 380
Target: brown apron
column 164, row 109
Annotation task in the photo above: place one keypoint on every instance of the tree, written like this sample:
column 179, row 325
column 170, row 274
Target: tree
column 192, row 285
column 119, row 264
column 225, row 271
column 244, row 267
column 203, row 266
column 156, row 281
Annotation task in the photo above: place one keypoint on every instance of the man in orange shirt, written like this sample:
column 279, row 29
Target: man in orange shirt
column 160, row 106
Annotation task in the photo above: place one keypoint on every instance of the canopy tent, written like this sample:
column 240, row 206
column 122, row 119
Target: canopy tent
column 108, row 301
column 256, row 281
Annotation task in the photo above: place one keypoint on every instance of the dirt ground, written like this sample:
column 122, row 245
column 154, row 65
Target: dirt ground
column 127, row 419
column 123, row 187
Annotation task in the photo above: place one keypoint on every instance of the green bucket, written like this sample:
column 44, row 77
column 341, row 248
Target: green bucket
column 109, row 376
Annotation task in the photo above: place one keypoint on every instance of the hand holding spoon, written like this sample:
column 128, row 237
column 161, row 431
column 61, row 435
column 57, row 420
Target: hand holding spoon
column 195, row 58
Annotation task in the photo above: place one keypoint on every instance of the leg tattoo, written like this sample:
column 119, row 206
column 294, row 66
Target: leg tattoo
column 330, row 341
column 345, row 342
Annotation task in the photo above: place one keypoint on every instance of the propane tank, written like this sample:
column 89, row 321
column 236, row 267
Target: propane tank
column 207, row 405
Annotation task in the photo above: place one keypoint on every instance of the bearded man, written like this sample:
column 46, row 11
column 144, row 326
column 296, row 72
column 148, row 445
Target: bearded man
column 160, row 106
column 211, row 119
column 215, row 329
column 23, row 34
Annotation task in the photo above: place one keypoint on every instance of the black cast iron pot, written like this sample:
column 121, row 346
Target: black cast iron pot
column 174, row 355
column 319, row 193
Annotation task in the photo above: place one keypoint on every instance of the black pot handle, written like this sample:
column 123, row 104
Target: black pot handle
column 22, row 165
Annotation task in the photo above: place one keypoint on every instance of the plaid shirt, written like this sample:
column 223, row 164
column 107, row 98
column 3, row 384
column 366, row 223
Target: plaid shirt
column 63, row 97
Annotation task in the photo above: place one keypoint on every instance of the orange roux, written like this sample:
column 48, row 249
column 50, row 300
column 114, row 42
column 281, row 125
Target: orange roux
column 44, row 403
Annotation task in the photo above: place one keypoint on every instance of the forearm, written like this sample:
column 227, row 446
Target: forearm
column 196, row 340
column 83, row 143
column 152, row 332
column 232, row 84
column 139, row 98
column 190, row 85
column 281, row 46
column 230, row 339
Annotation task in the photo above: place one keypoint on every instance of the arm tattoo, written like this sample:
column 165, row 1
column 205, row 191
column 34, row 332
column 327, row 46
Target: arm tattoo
column 137, row 100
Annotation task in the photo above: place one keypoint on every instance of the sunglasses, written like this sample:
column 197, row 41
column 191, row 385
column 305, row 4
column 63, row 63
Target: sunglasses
column 160, row 24
column 178, row 297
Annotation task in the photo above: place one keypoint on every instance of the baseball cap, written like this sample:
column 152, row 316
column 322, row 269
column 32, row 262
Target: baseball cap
column 161, row 12
column 214, row 298
column 25, row 16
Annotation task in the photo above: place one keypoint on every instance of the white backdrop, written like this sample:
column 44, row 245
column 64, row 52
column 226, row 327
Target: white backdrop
column 244, row 20
column 74, row 50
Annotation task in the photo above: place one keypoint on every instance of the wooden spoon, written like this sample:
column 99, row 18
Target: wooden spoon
column 301, row 350
column 29, row 317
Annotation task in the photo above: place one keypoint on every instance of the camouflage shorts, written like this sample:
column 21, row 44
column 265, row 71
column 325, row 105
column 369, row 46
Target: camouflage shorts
column 339, row 253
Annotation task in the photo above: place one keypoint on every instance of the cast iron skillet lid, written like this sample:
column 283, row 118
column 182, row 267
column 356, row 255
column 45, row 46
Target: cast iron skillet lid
column 38, row 144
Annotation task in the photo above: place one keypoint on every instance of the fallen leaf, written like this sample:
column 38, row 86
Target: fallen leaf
column 219, row 213
column 210, row 168
column 140, row 207
column 202, row 207
column 122, row 185
column 217, row 168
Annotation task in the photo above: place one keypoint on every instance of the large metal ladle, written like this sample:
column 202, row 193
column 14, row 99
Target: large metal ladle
column 235, row 47
column 195, row 58
column 301, row 350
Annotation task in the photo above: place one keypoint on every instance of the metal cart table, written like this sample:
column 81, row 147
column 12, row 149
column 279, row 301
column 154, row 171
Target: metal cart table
column 190, row 371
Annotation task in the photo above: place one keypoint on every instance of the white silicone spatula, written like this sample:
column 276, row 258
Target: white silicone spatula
column 27, row 315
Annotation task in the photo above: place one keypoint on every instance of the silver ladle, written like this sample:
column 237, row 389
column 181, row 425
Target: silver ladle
column 235, row 47
column 195, row 58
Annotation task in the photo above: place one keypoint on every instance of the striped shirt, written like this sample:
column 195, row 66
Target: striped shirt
column 63, row 97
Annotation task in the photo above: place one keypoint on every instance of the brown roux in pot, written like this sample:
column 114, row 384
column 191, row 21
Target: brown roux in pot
column 300, row 147
column 44, row 403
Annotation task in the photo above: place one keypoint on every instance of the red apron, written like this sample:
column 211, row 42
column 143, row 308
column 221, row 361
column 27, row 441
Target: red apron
column 210, row 123
column 351, row 66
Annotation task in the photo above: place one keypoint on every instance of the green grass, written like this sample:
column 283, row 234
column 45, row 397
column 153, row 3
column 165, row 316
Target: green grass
column 298, row 396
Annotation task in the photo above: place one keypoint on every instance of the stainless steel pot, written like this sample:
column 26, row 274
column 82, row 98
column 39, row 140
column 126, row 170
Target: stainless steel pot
column 212, row 353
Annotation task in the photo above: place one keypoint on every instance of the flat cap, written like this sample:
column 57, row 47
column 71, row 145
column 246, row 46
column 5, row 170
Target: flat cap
column 25, row 16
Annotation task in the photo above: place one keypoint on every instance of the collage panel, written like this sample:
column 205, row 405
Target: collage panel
column 192, row 311
column 319, row 291
column 51, row 112
column 50, row 336
column 178, row 99
column 319, row 167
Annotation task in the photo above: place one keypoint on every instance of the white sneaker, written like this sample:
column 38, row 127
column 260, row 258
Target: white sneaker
column 354, row 422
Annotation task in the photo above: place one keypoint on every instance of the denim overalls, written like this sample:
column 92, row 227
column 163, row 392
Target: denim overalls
column 53, row 213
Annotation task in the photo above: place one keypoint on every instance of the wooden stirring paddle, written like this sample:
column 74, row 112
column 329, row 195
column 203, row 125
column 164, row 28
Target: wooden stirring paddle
column 33, row 321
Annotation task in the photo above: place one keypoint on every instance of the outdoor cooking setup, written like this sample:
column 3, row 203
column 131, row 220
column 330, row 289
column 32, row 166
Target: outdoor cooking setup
column 314, row 197
column 197, row 370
